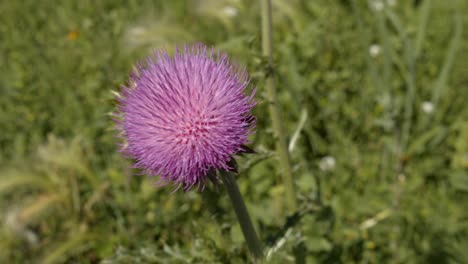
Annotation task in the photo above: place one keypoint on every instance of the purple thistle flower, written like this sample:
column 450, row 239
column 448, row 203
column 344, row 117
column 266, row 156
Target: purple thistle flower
column 186, row 115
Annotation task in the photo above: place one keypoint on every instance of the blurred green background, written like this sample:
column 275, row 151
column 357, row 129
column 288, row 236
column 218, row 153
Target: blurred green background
column 373, row 97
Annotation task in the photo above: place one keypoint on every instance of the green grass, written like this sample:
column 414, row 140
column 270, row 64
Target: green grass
column 397, row 193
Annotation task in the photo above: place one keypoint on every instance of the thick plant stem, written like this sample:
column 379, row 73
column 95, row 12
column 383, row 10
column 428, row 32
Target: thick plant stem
column 281, row 146
column 242, row 214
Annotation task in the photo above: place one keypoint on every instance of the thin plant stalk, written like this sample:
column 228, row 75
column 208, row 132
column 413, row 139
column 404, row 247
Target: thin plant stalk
column 410, row 77
column 281, row 146
column 253, row 243
column 424, row 14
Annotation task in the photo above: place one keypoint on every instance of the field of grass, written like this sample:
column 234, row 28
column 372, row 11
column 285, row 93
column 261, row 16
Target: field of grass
column 373, row 97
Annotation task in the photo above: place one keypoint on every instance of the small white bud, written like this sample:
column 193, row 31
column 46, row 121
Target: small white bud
column 377, row 5
column 230, row 11
column 427, row 107
column 327, row 163
column 374, row 50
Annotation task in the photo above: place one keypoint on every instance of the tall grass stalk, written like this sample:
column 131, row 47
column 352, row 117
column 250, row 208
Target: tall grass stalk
column 410, row 79
column 275, row 112
column 402, row 140
column 422, row 26
column 385, row 84
column 441, row 83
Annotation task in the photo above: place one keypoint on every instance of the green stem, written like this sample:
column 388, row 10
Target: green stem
column 275, row 112
column 242, row 214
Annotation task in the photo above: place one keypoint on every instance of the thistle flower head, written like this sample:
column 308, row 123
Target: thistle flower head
column 185, row 115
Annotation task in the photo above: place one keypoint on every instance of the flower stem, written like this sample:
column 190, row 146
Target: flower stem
column 275, row 111
column 247, row 227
